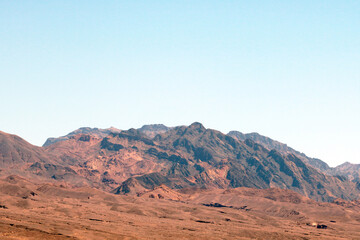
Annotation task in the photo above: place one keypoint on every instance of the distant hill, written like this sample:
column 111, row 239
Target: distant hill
column 16, row 151
column 150, row 130
column 351, row 171
column 153, row 129
column 20, row 157
column 84, row 130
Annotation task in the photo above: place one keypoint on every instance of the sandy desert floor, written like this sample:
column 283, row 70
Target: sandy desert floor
column 44, row 211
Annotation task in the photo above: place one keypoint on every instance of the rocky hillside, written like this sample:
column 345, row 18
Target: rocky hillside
column 281, row 147
column 132, row 161
column 193, row 156
column 20, row 157
column 16, row 151
column 350, row 170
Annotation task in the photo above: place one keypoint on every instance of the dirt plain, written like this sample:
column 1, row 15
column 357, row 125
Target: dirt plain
column 48, row 211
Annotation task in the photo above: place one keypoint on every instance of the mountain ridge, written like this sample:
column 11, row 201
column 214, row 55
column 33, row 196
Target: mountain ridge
column 99, row 132
column 129, row 161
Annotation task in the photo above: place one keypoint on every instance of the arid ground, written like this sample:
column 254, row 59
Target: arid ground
column 47, row 211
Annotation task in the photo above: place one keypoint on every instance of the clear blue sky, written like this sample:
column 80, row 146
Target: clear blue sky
column 289, row 70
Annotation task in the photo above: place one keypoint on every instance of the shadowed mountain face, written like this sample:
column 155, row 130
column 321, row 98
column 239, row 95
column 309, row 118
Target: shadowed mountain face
column 133, row 161
column 208, row 158
column 348, row 170
column 281, row 147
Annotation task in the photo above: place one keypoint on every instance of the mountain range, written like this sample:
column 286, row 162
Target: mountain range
column 135, row 160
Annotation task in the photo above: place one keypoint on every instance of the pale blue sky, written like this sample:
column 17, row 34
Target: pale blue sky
column 289, row 70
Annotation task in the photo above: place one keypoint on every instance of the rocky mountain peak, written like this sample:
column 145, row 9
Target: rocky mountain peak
column 197, row 126
column 97, row 132
column 151, row 130
column 154, row 127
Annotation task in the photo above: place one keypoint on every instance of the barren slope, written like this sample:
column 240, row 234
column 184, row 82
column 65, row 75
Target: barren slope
column 38, row 211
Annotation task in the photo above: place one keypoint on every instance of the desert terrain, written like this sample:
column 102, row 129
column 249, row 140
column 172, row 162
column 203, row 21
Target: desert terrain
column 31, row 210
column 186, row 182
